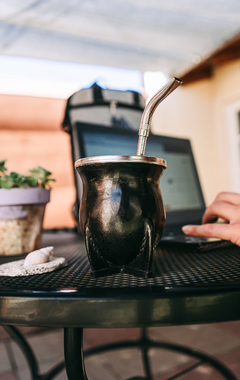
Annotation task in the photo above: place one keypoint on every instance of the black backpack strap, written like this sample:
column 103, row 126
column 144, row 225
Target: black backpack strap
column 97, row 93
column 66, row 124
column 136, row 98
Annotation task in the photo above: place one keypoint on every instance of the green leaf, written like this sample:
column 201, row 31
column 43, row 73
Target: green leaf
column 15, row 180
column 6, row 182
column 42, row 177
column 32, row 182
column 2, row 166
column 39, row 177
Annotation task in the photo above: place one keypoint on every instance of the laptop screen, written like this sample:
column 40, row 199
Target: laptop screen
column 181, row 190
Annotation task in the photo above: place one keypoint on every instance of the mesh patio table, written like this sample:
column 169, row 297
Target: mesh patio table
column 186, row 288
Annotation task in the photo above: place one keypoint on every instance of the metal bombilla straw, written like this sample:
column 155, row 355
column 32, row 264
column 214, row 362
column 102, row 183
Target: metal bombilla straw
column 148, row 113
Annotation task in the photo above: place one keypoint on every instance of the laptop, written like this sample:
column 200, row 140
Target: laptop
column 180, row 185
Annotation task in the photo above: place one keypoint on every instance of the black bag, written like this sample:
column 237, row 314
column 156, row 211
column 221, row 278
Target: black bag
column 95, row 105
column 122, row 109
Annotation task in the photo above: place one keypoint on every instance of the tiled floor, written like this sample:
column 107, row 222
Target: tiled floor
column 222, row 340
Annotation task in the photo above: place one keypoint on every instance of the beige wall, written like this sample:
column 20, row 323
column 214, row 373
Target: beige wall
column 31, row 135
column 226, row 105
column 197, row 111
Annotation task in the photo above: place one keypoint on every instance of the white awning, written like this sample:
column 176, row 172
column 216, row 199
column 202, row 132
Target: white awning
column 147, row 35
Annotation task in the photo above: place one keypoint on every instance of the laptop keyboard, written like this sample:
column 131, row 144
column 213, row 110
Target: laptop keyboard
column 174, row 236
column 174, row 230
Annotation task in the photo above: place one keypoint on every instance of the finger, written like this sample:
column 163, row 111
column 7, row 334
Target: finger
column 233, row 198
column 222, row 210
column 222, row 231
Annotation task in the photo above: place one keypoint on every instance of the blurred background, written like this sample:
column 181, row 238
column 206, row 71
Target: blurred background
column 51, row 49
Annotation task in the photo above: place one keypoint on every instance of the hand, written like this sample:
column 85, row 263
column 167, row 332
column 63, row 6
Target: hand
column 227, row 207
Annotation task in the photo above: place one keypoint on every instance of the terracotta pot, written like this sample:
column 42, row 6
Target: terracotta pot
column 21, row 216
column 122, row 214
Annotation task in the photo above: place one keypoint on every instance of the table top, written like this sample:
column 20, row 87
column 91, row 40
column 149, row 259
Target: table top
column 186, row 288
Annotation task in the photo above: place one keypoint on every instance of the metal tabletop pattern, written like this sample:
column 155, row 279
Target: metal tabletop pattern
column 186, row 287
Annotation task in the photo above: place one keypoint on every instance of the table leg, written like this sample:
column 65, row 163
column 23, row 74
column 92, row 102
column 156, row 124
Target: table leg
column 26, row 349
column 144, row 346
column 73, row 349
column 74, row 360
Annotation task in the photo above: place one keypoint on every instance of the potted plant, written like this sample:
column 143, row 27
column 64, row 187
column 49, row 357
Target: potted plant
column 22, row 205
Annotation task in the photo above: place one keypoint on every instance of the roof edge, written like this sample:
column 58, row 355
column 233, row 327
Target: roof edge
column 226, row 52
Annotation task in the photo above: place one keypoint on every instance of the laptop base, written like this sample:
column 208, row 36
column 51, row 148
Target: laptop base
column 195, row 244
